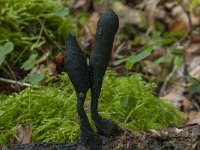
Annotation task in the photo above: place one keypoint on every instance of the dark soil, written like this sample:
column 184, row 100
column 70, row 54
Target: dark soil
column 172, row 138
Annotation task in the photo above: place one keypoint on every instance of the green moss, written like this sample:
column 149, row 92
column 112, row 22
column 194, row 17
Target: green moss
column 51, row 110
column 30, row 24
column 2, row 96
column 144, row 110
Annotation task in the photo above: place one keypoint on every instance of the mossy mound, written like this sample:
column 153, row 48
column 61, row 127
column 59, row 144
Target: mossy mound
column 51, row 110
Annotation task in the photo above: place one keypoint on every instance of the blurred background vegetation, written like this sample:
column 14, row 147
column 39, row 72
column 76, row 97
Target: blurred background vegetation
column 159, row 40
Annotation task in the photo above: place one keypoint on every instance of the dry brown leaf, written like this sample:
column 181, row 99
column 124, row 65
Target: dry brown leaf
column 46, row 47
column 153, row 71
column 178, row 11
column 42, row 63
column 92, row 22
column 177, row 26
column 195, row 73
column 194, row 117
column 127, row 14
column 150, row 12
column 156, row 53
column 180, row 21
column 193, row 48
column 44, row 57
column 195, row 19
column 120, row 48
column 186, row 105
column 175, row 99
column 52, row 69
column 102, row 5
column 193, row 63
column 87, row 38
column 24, row 133
column 59, row 58
column 195, row 35
column 79, row 4
column 59, row 61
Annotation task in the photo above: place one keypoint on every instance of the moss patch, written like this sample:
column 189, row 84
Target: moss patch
column 51, row 110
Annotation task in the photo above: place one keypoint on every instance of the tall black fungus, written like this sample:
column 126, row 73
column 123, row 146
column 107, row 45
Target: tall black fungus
column 107, row 26
column 84, row 77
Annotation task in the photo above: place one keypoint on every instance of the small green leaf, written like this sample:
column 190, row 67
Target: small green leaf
column 136, row 40
column 160, row 26
column 8, row 47
column 129, row 65
column 163, row 59
column 32, row 38
column 30, row 62
column 63, row 12
column 147, row 48
column 146, row 51
column 1, row 113
column 140, row 56
column 37, row 45
column 60, row 13
column 178, row 50
column 192, row 80
column 2, row 58
column 194, row 88
column 120, row 61
column 178, row 61
column 194, row 85
column 166, row 41
column 35, row 78
column 128, row 102
column 194, row 3
column 173, row 34
column 1, row 49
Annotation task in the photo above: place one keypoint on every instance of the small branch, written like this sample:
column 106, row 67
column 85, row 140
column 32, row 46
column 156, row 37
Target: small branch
column 20, row 55
column 161, row 92
column 14, row 82
column 47, row 34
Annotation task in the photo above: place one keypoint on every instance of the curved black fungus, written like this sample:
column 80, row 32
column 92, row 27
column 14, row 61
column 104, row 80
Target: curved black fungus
column 107, row 27
column 76, row 65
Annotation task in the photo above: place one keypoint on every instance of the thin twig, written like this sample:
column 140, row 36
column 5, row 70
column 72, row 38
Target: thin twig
column 14, row 82
column 20, row 55
column 47, row 34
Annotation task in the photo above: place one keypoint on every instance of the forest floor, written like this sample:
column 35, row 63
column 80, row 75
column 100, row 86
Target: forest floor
column 173, row 66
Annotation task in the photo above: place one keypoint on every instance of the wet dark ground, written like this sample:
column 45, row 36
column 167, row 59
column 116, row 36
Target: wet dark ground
column 172, row 138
